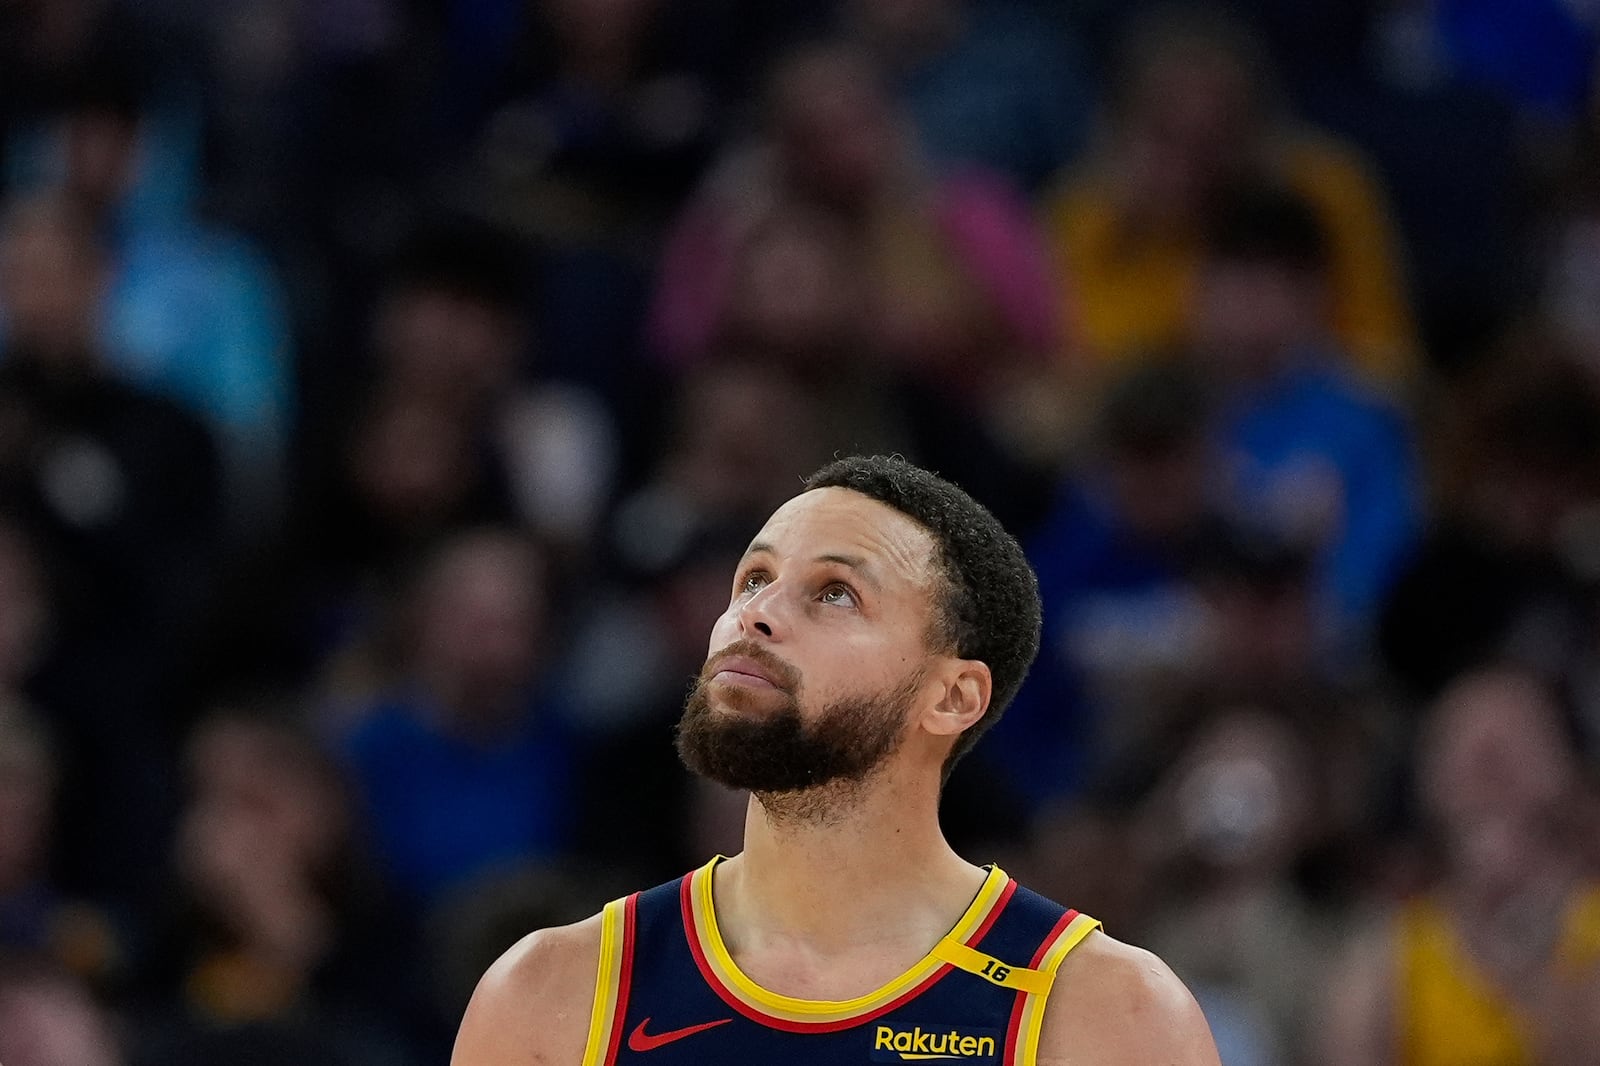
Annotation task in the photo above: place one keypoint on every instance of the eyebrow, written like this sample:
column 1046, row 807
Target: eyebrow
column 855, row 562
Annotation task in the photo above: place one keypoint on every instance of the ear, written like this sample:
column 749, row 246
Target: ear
column 966, row 687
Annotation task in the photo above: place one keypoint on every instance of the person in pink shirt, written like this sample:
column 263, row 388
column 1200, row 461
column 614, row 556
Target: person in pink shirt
column 947, row 275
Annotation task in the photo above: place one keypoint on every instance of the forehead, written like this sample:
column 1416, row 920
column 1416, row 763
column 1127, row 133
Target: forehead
column 838, row 521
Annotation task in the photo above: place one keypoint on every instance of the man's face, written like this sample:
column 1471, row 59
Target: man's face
column 50, row 283
column 450, row 345
column 480, row 628
column 837, row 134
column 1186, row 126
column 102, row 156
column 817, row 665
column 1249, row 316
column 1500, row 781
column 1160, row 495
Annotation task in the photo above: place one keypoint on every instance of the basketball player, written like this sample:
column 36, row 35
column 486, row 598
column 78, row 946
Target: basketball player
column 878, row 623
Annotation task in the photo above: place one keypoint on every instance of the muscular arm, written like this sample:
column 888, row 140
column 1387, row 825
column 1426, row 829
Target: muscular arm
column 1116, row 1005
column 532, row 1006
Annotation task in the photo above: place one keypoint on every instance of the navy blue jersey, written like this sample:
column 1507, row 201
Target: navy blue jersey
column 668, row 993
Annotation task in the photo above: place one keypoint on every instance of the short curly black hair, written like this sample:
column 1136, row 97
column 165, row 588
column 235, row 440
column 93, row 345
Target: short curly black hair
column 988, row 608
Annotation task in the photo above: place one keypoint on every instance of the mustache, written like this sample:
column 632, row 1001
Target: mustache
column 784, row 675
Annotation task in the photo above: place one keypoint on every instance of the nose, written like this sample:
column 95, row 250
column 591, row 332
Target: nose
column 758, row 615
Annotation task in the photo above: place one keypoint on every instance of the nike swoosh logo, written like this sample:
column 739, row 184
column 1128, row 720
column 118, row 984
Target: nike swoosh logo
column 639, row 1040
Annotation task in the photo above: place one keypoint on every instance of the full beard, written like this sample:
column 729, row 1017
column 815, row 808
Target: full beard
column 800, row 772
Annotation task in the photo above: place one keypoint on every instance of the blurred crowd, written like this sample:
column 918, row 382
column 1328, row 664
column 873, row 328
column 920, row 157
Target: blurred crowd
column 387, row 388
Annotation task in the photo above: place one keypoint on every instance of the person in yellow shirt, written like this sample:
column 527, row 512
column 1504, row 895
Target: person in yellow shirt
column 1190, row 115
column 1498, row 963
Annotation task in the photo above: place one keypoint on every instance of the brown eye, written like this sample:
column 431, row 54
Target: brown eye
column 838, row 594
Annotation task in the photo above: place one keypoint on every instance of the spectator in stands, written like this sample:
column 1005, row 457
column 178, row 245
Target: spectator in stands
column 739, row 433
column 798, row 296
column 37, row 917
column 38, row 920
column 956, row 283
column 1225, row 829
column 801, row 301
column 1499, row 959
column 464, row 765
column 1114, row 558
column 27, row 786
column 451, row 328
column 1568, row 245
column 443, row 426
column 280, row 930
column 406, row 473
column 475, row 928
column 605, row 118
column 49, row 1019
column 189, row 311
column 997, row 86
column 284, row 911
column 46, row 48
column 1507, row 567
column 312, row 115
column 1250, row 653
column 1314, row 456
column 118, row 489
column 608, row 116
column 946, row 293
column 1190, row 113
column 1265, row 648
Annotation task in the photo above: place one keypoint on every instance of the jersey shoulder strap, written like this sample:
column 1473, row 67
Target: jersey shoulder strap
column 1043, row 932
column 618, row 926
column 652, row 916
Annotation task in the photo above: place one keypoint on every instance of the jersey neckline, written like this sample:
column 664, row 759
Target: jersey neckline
column 741, row 992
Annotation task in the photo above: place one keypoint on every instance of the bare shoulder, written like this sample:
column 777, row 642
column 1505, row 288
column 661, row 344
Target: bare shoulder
column 1117, row 1005
column 531, row 1007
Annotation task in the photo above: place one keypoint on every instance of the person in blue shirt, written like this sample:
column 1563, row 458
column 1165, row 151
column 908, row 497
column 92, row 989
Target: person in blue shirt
column 463, row 766
column 191, row 310
column 996, row 85
column 1314, row 455
column 1113, row 558
column 1261, row 429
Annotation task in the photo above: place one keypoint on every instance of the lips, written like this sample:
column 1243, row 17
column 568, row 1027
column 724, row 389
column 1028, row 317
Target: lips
column 742, row 670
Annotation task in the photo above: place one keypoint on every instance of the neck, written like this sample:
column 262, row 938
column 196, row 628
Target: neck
column 878, row 871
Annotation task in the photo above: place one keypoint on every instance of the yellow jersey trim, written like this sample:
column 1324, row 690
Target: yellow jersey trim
column 1033, row 1008
column 789, row 1008
column 992, row 969
column 607, row 982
